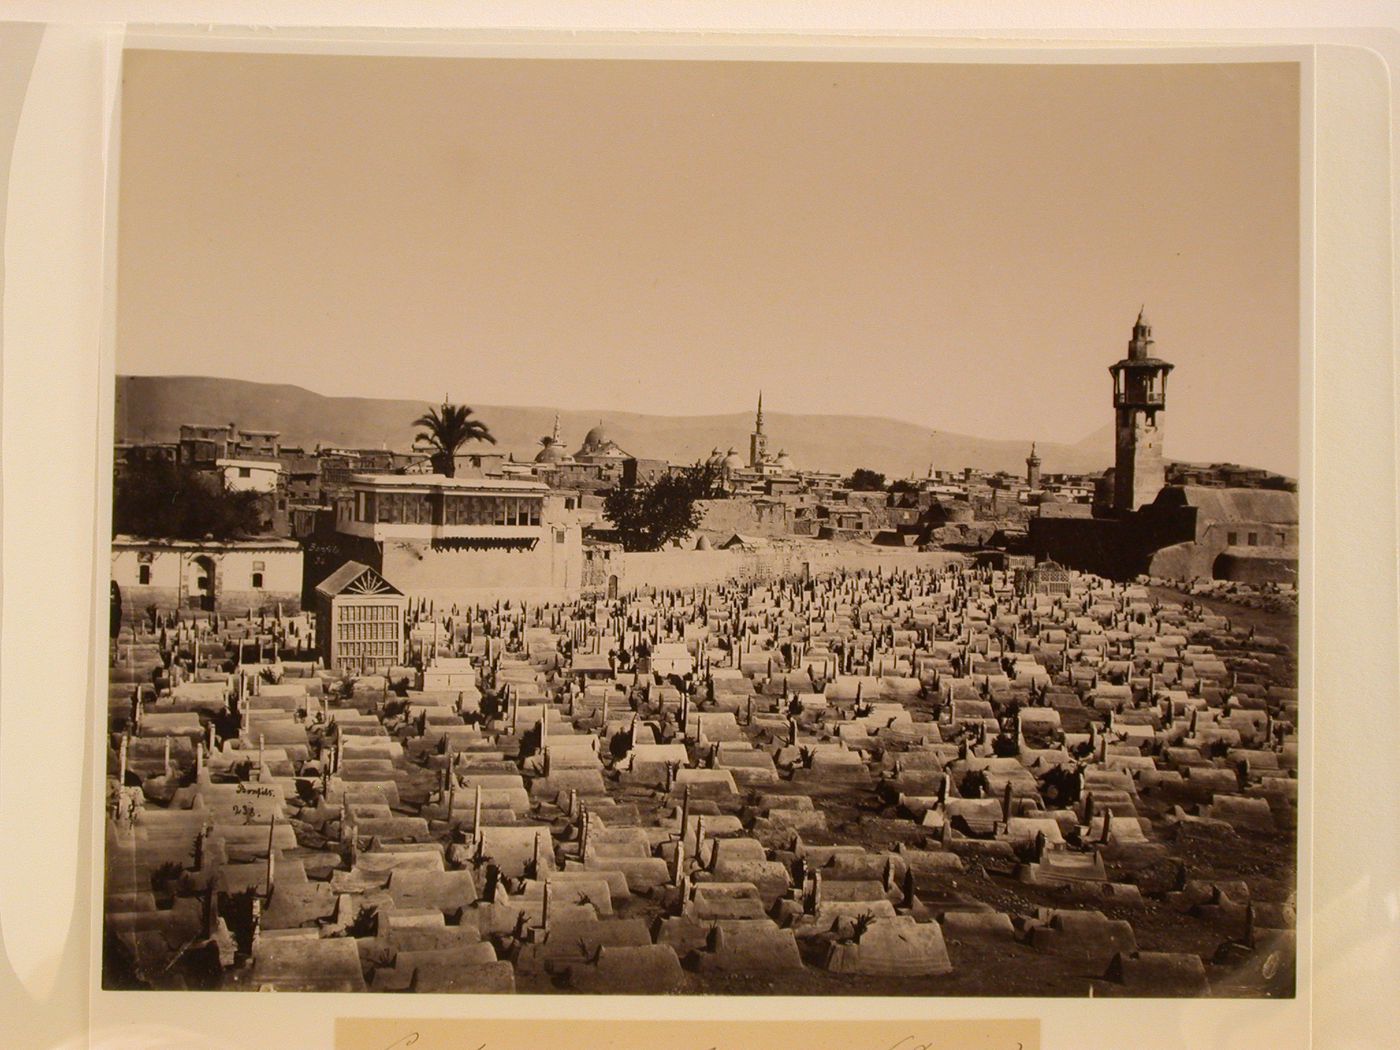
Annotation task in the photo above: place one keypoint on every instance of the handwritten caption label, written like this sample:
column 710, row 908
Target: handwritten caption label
column 363, row 1033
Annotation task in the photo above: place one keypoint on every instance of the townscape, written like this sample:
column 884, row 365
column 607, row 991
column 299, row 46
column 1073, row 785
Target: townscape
column 453, row 723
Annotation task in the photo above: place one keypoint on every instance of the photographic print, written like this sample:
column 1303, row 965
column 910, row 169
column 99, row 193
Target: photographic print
column 720, row 527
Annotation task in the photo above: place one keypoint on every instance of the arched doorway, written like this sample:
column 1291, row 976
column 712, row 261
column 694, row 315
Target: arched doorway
column 202, row 583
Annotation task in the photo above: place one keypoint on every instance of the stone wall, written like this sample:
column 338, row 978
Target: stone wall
column 676, row 569
column 173, row 570
column 724, row 517
column 552, row 571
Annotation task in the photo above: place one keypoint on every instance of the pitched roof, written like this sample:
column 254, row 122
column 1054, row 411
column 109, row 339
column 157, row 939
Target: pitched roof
column 356, row 576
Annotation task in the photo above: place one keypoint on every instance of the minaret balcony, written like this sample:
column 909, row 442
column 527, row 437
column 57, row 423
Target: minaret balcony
column 1139, row 400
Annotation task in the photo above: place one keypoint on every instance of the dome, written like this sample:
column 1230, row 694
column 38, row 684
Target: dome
column 733, row 461
column 595, row 438
column 551, row 453
column 784, row 461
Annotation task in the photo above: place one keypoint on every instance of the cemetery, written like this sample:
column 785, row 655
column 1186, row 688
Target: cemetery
column 941, row 781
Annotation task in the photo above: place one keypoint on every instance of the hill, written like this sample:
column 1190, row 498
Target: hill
column 151, row 408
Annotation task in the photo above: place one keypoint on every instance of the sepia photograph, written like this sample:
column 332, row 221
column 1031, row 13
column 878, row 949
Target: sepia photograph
column 705, row 527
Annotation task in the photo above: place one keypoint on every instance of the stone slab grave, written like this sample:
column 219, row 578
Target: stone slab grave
column 563, row 753
column 301, row 961
column 651, row 763
column 748, row 946
column 369, row 792
column 892, row 947
column 185, row 725
column 712, row 901
column 373, row 868
column 977, row 817
column 706, row 783
column 1165, row 974
column 977, row 924
column 630, row 970
column 569, row 889
column 1080, row 934
column 207, row 696
column 471, row 968
column 444, row 891
column 747, row 765
column 498, row 792
column 1241, row 812
column 588, row 783
column 513, row 849
column 560, row 945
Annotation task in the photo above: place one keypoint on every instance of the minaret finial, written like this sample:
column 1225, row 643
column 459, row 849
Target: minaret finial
column 758, row 421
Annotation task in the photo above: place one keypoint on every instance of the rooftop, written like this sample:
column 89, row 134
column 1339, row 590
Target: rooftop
column 441, row 481
column 262, row 543
column 260, row 464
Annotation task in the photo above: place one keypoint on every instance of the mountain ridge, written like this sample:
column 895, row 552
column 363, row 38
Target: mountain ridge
column 152, row 408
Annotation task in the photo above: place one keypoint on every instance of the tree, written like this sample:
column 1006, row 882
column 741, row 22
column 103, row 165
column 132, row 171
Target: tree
column 647, row 517
column 446, row 429
column 157, row 499
column 904, row 485
column 866, row 481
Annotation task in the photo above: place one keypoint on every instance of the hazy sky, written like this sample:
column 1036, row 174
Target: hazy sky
column 964, row 247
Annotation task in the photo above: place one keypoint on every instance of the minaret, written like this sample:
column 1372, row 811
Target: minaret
column 1033, row 470
column 555, row 436
column 758, row 440
column 1139, row 395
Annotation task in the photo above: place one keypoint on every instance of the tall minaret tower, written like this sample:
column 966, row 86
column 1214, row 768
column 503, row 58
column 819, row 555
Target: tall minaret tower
column 1033, row 470
column 1139, row 396
column 758, row 440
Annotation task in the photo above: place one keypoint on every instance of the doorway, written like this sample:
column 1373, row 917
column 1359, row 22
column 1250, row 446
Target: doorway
column 203, row 583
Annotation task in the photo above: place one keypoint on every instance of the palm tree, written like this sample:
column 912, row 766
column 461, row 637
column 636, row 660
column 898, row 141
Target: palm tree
column 445, row 431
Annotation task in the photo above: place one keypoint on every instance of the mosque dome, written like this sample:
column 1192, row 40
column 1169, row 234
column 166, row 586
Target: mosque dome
column 596, row 438
column 784, row 462
column 733, row 461
column 551, row 453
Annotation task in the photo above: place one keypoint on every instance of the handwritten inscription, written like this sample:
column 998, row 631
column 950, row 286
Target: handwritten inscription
column 908, row 1042
column 481, row 1034
column 255, row 791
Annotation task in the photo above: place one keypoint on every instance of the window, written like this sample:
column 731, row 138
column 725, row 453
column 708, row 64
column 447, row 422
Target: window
column 257, row 581
column 1254, row 539
column 143, row 574
column 1232, row 538
column 245, row 472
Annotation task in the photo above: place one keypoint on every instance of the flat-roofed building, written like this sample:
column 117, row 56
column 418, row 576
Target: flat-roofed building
column 260, row 444
column 231, row 577
column 251, row 475
column 201, row 444
column 459, row 540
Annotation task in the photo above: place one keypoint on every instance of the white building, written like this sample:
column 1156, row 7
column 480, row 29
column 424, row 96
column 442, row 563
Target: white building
column 462, row 540
column 232, row 577
column 250, row 475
